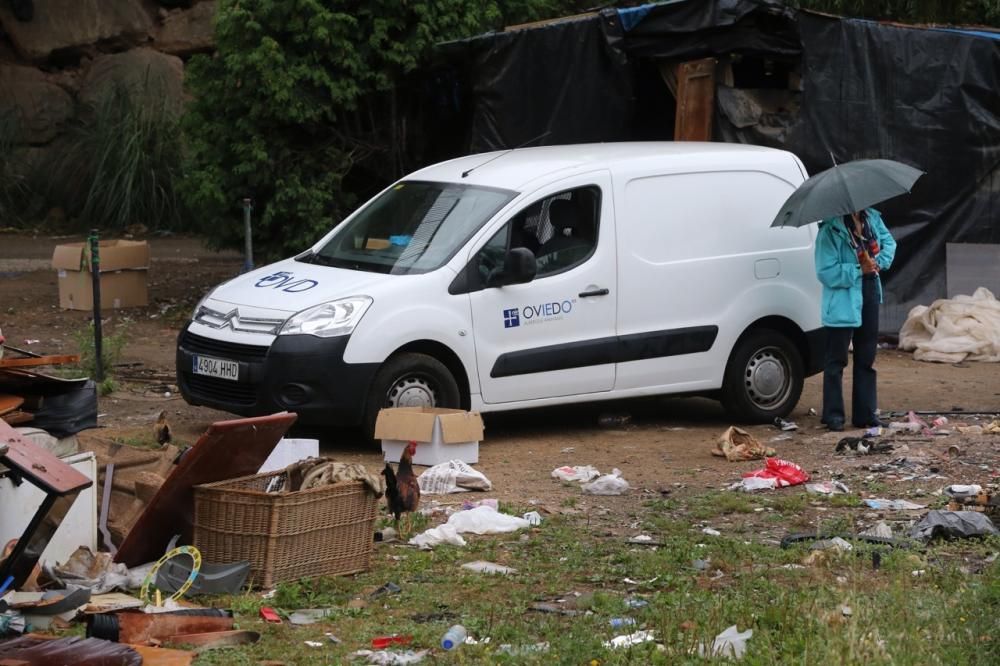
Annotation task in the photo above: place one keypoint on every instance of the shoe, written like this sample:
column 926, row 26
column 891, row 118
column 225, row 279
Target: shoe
column 836, row 426
column 875, row 423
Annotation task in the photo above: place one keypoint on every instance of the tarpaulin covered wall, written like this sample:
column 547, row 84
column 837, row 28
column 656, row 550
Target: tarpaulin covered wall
column 927, row 97
column 559, row 83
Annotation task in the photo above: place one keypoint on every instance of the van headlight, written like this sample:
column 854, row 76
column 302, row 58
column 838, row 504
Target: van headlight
column 328, row 319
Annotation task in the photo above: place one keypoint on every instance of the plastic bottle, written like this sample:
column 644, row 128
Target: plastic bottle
column 454, row 637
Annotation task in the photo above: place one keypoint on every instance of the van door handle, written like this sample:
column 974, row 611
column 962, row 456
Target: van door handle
column 595, row 292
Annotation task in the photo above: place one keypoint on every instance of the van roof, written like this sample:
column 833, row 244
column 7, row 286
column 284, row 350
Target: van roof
column 513, row 169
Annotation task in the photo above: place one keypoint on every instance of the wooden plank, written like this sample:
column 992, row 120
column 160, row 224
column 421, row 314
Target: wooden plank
column 9, row 403
column 39, row 466
column 695, row 100
column 41, row 360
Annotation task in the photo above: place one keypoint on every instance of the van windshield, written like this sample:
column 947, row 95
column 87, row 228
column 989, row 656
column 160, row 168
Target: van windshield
column 414, row 227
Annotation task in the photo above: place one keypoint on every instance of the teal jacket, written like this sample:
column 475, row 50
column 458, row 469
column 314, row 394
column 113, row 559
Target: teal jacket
column 839, row 272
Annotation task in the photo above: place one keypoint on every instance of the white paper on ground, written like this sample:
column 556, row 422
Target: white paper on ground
column 575, row 473
column 453, row 476
column 629, row 640
column 481, row 566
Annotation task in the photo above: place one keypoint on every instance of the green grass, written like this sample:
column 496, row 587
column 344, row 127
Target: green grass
column 947, row 615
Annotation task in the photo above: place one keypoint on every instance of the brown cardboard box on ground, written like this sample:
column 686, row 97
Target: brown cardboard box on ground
column 124, row 265
column 441, row 434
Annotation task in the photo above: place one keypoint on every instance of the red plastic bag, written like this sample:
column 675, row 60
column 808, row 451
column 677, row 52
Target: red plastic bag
column 785, row 473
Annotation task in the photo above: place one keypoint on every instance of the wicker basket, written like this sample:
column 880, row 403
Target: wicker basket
column 285, row 535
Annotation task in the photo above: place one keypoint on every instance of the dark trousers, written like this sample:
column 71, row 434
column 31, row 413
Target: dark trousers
column 864, row 399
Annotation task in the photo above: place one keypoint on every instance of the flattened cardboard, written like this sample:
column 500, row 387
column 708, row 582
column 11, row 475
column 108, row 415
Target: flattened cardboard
column 123, row 269
column 442, row 434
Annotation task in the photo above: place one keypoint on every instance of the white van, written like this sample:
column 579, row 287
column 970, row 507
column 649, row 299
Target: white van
column 528, row 278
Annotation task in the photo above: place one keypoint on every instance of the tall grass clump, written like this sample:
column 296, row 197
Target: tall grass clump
column 121, row 163
column 13, row 181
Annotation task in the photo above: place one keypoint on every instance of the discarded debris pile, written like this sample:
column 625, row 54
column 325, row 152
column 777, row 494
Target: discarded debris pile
column 963, row 328
column 62, row 407
column 313, row 517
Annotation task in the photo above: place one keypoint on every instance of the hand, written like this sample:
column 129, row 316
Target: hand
column 868, row 266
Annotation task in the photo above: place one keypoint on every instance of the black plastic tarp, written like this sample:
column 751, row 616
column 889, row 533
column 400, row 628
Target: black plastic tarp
column 564, row 82
column 696, row 29
column 929, row 98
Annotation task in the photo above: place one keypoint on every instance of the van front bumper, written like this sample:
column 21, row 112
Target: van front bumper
column 298, row 373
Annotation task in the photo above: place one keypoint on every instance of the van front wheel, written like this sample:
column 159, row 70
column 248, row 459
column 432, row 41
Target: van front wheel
column 410, row 380
column 764, row 377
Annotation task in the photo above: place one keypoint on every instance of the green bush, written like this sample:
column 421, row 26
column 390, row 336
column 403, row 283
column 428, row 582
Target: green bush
column 13, row 180
column 298, row 93
column 112, row 346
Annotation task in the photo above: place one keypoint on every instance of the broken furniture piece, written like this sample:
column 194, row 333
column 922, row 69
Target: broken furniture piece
column 228, row 449
column 61, row 484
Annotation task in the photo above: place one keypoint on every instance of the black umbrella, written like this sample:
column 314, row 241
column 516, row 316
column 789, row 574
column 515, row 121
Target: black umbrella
column 844, row 189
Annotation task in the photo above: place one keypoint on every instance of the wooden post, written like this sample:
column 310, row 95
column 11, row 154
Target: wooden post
column 95, row 272
column 695, row 100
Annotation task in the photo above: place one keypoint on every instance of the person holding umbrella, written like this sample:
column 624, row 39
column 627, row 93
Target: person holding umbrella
column 852, row 247
column 851, row 251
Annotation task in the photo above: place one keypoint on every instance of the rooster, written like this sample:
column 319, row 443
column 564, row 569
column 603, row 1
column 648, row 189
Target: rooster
column 161, row 430
column 402, row 493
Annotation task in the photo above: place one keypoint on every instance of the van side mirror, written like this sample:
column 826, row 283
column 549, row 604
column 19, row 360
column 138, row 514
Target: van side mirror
column 519, row 267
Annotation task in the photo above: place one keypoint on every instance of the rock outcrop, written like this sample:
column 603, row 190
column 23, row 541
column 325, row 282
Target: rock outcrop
column 187, row 31
column 60, row 58
column 38, row 107
column 64, row 26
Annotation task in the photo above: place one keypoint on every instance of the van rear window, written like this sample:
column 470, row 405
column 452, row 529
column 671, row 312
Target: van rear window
column 413, row 227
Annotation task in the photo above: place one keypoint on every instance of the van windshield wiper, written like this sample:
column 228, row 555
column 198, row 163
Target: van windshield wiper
column 317, row 258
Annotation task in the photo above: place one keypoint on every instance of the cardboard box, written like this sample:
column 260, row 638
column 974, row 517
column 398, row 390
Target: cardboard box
column 441, row 434
column 124, row 266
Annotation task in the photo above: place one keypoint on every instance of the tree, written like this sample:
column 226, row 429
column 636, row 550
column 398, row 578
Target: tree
column 297, row 93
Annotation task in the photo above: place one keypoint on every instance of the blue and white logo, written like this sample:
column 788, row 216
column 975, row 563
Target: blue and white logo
column 511, row 318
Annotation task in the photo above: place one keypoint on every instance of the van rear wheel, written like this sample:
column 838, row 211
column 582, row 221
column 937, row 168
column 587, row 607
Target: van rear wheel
column 764, row 377
column 410, row 380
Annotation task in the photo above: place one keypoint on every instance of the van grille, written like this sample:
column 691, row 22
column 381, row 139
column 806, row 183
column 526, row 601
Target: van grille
column 196, row 344
column 221, row 390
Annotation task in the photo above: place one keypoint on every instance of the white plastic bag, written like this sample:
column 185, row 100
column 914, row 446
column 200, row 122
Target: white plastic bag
column 575, row 473
column 752, row 483
column 453, row 476
column 485, row 520
column 609, row 484
column 436, row 536
column 730, row 643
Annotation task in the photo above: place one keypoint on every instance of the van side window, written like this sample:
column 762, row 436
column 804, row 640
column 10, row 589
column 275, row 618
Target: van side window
column 561, row 231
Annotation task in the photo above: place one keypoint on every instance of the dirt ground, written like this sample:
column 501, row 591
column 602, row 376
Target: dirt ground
column 664, row 450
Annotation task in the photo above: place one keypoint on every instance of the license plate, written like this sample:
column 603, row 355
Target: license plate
column 216, row 367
